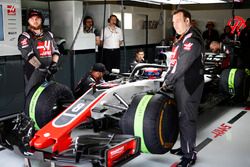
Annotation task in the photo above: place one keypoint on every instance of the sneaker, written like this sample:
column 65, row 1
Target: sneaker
column 187, row 162
column 177, row 151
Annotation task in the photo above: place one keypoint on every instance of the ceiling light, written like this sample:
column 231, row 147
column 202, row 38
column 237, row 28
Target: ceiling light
column 175, row 2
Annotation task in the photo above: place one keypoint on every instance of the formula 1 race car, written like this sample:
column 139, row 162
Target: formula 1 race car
column 128, row 115
column 110, row 109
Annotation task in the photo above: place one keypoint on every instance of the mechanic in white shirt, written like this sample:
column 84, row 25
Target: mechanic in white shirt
column 111, row 39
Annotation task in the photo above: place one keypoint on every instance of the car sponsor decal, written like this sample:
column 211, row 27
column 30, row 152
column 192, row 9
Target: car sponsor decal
column 188, row 46
column 237, row 24
column 173, row 57
column 24, row 42
column 44, row 48
column 11, row 10
column 75, row 110
column 56, row 134
column 221, row 130
column 128, row 148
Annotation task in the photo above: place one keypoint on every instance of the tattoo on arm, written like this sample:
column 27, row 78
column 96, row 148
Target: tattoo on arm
column 34, row 62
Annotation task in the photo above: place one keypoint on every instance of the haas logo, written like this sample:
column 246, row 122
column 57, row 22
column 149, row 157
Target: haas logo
column 237, row 24
column 44, row 48
column 11, row 10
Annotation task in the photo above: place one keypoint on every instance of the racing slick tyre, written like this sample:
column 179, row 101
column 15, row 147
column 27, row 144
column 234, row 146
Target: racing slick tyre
column 234, row 82
column 154, row 119
column 43, row 102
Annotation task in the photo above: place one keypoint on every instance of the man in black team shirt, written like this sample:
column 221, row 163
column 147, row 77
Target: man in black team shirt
column 39, row 51
column 185, row 77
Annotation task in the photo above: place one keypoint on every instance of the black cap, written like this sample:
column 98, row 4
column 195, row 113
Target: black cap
column 99, row 67
column 35, row 12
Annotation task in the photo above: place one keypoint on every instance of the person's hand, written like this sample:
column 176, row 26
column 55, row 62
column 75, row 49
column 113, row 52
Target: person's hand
column 52, row 68
column 167, row 87
column 164, row 87
column 42, row 69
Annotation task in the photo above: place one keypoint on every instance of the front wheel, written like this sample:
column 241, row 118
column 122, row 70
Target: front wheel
column 234, row 83
column 154, row 118
column 42, row 102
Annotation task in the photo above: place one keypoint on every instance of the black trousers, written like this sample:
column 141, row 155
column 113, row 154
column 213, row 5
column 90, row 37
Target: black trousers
column 37, row 77
column 111, row 58
column 187, row 106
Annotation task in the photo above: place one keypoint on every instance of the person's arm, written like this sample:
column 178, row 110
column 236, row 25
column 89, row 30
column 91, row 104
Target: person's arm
column 55, row 51
column 25, row 47
column 55, row 58
column 191, row 51
column 83, row 85
column 101, row 37
column 97, row 37
column 121, row 38
column 120, row 43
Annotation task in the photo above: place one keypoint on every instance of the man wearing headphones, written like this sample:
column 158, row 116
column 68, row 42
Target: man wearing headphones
column 111, row 38
column 39, row 51
column 89, row 28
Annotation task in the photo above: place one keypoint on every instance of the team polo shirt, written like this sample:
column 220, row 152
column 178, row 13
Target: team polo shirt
column 111, row 38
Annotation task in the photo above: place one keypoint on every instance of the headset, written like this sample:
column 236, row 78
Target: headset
column 87, row 18
column 112, row 16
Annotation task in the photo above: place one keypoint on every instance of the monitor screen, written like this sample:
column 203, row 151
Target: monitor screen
column 1, row 24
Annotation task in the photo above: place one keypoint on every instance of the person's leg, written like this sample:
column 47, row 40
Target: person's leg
column 188, row 105
column 36, row 78
column 116, row 58
column 107, row 59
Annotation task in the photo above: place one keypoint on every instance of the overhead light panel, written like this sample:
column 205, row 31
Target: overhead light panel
column 176, row 2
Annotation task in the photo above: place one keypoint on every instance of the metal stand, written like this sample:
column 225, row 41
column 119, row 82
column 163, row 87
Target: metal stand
column 27, row 162
column 52, row 164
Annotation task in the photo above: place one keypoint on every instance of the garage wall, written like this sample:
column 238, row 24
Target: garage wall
column 11, row 85
column 220, row 17
column 137, row 35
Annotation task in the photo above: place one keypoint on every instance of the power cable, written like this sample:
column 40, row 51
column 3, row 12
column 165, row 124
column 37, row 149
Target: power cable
column 72, row 54
column 103, row 26
column 123, row 34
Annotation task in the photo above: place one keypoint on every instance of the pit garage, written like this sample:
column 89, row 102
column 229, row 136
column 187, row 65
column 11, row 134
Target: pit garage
column 127, row 120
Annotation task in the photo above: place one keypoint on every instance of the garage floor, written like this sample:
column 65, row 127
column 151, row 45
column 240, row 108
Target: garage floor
column 223, row 140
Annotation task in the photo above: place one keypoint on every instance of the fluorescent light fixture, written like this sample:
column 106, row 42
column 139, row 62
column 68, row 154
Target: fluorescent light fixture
column 148, row 1
column 176, row 2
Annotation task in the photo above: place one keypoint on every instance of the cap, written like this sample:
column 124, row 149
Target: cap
column 99, row 67
column 210, row 23
column 35, row 12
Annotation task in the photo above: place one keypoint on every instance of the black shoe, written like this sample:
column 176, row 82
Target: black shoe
column 177, row 151
column 187, row 162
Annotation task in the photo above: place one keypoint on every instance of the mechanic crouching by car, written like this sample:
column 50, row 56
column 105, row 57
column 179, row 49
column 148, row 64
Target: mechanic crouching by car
column 39, row 51
column 227, row 48
column 185, row 78
column 94, row 77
